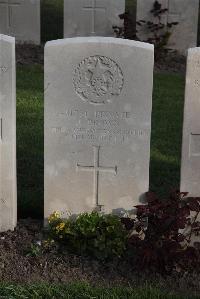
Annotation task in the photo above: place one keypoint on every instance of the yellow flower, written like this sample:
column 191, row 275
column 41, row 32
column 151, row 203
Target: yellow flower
column 48, row 242
column 56, row 215
column 60, row 226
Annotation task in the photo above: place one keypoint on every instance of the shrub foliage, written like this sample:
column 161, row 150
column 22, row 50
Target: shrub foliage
column 158, row 31
column 99, row 236
column 164, row 235
column 167, row 242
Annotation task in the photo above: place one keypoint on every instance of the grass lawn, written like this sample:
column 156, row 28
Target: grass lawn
column 165, row 148
column 30, row 153
column 83, row 291
column 166, row 139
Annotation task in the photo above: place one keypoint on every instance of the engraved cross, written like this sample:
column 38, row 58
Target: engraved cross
column 171, row 14
column 96, row 169
column 10, row 5
column 94, row 8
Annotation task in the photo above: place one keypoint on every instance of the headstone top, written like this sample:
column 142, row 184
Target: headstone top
column 98, row 39
column 7, row 38
column 193, row 50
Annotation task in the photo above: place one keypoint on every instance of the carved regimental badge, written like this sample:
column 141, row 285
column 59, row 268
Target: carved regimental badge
column 97, row 79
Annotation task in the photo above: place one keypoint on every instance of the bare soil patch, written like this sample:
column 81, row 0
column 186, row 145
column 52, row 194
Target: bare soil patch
column 17, row 266
column 170, row 62
column 29, row 54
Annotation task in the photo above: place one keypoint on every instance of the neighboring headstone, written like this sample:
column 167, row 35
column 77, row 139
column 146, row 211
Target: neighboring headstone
column 21, row 19
column 8, row 193
column 92, row 17
column 190, row 167
column 190, row 164
column 98, row 101
column 185, row 12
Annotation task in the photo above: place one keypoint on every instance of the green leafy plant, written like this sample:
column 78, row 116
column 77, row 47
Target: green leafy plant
column 34, row 250
column 158, row 32
column 100, row 236
column 159, row 238
column 128, row 30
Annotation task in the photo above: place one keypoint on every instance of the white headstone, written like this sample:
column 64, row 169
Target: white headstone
column 185, row 12
column 98, row 100
column 190, row 167
column 21, row 19
column 190, row 164
column 92, row 17
column 8, row 193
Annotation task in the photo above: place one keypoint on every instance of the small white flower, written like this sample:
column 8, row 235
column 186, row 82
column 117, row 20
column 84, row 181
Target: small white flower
column 39, row 243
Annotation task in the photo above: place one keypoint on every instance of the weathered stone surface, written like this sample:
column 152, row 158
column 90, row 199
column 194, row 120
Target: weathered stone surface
column 21, row 19
column 185, row 12
column 190, row 166
column 92, row 17
column 8, row 193
column 98, row 99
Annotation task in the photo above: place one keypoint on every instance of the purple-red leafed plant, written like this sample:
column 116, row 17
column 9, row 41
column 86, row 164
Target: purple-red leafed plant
column 158, row 31
column 166, row 243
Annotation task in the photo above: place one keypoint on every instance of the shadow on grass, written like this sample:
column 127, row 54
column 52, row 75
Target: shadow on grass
column 30, row 136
